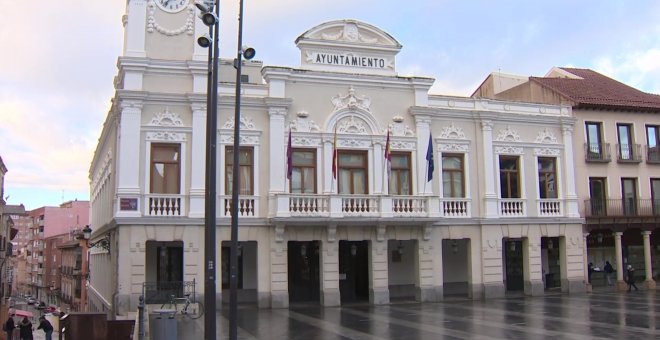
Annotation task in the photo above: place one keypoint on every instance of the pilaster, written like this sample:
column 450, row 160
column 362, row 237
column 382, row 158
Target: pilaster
column 198, row 162
column 279, row 279
column 128, row 156
column 571, row 197
column 135, row 24
column 532, row 266
column 423, row 127
column 490, row 194
column 379, row 292
column 330, row 295
column 277, row 150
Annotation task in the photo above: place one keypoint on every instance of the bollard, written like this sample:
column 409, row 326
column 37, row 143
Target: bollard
column 141, row 318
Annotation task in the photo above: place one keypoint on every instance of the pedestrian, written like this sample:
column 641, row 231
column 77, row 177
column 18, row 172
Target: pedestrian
column 9, row 326
column 631, row 278
column 608, row 272
column 46, row 326
column 590, row 270
column 26, row 329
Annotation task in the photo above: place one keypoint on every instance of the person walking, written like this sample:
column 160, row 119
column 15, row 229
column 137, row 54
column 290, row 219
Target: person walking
column 26, row 329
column 9, row 326
column 608, row 272
column 46, row 327
column 631, row 278
column 590, row 271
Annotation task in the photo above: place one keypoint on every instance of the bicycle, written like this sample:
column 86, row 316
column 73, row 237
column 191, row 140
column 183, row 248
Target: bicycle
column 193, row 310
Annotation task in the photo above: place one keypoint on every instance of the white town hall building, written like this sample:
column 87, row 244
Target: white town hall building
column 498, row 215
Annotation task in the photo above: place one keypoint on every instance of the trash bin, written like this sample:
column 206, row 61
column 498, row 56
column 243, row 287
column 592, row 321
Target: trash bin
column 163, row 325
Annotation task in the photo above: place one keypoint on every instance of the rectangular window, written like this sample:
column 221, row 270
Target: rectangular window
column 352, row 168
column 624, row 132
column 594, row 144
column 629, row 196
column 655, row 195
column 400, row 179
column 165, row 168
column 245, row 170
column 453, row 179
column 303, row 174
column 547, row 177
column 509, row 177
column 652, row 139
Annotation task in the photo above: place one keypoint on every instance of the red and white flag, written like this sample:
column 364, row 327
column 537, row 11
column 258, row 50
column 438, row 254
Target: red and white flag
column 388, row 155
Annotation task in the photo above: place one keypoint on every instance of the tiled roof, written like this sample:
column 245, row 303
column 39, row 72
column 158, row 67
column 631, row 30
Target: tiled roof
column 595, row 90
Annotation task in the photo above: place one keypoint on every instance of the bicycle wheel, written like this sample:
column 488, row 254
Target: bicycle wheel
column 195, row 311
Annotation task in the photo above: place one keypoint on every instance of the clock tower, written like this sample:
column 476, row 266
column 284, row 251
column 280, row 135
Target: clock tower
column 162, row 29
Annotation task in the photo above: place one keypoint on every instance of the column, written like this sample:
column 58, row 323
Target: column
column 428, row 283
column 620, row 284
column 128, row 156
column 379, row 291
column 648, row 278
column 423, row 131
column 328, row 182
column 279, row 275
column 571, row 196
column 380, row 172
column 277, row 150
column 585, row 264
column 532, row 266
column 330, row 296
column 135, row 23
column 490, row 194
column 493, row 268
column 198, row 162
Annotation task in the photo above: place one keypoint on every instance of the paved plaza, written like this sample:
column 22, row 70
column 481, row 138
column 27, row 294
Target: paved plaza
column 599, row 315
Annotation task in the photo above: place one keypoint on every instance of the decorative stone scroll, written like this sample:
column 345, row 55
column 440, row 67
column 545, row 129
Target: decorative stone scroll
column 351, row 101
column 508, row 135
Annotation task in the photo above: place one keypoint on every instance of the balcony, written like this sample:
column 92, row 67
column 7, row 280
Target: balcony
column 622, row 208
column 512, row 207
column 550, row 208
column 597, row 152
column 165, row 205
column 379, row 206
column 248, row 206
column 629, row 153
column 652, row 155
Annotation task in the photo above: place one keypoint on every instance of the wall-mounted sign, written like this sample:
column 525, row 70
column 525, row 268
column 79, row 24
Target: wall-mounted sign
column 130, row 204
column 348, row 59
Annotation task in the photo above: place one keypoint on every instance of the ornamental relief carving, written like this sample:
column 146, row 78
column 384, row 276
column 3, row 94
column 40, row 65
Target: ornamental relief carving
column 245, row 140
column 508, row 135
column 399, row 145
column 304, row 125
column 398, row 129
column 306, row 141
column 246, row 123
column 166, row 136
column 452, row 132
column 453, row 147
column 350, row 33
column 353, row 143
column 352, row 125
column 166, row 118
column 547, row 152
column 546, row 137
column 153, row 25
column 351, row 101
column 508, row 150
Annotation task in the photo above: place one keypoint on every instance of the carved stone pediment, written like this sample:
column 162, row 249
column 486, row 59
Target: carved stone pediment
column 351, row 101
column 166, row 118
column 508, row 135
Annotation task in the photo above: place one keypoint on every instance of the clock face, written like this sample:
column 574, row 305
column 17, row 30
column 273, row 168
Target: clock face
column 172, row 6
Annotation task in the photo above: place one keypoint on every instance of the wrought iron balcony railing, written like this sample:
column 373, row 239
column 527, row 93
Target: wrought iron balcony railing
column 629, row 153
column 653, row 155
column 622, row 207
column 597, row 152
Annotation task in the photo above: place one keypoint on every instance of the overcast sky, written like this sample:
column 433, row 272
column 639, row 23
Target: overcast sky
column 59, row 58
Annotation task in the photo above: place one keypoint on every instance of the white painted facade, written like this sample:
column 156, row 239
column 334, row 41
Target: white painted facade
column 345, row 89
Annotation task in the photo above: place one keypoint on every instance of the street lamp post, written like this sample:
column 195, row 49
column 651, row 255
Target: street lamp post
column 210, row 19
column 247, row 53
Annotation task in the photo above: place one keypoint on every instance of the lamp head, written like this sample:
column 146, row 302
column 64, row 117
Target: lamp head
column 205, row 6
column 248, row 52
column 87, row 232
column 208, row 18
column 204, row 40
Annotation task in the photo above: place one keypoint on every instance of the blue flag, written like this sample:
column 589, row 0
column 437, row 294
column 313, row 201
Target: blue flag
column 430, row 166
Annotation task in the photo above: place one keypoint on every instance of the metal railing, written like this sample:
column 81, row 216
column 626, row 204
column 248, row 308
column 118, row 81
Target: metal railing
column 597, row 152
column 160, row 292
column 629, row 153
column 653, row 155
column 622, row 207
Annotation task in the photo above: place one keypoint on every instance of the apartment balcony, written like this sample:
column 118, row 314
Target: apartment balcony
column 41, row 246
column 622, row 208
column 40, row 271
column 629, row 153
column 597, row 152
column 652, row 155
